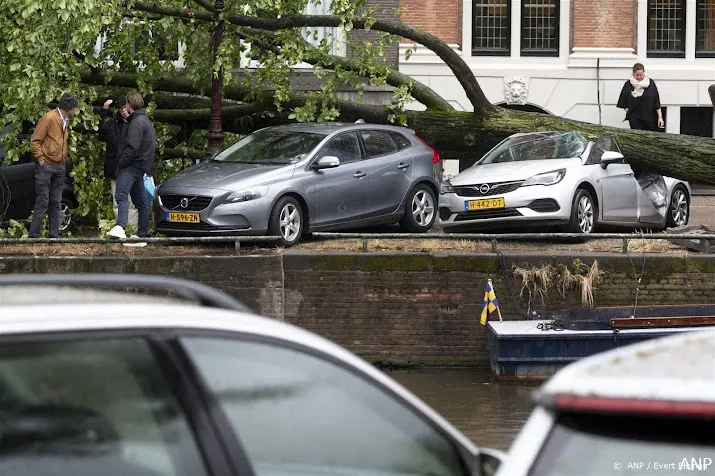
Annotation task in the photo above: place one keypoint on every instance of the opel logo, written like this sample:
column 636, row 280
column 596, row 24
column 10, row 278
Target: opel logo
column 483, row 188
column 184, row 202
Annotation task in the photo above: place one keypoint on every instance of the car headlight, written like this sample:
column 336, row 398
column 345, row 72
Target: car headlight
column 548, row 178
column 247, row 194
column 446, row 187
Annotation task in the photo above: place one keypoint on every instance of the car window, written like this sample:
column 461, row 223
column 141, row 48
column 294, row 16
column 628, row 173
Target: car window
column 602, row 145
column 378, row 143
column 292, row 409
column 401, row 141
column 95, row 407
column 345, row 147
column 271, row 147
column 604, row 445
column 537, row 146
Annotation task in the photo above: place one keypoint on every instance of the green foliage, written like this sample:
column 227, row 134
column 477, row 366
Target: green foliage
column 48, row 43
column 15, row 230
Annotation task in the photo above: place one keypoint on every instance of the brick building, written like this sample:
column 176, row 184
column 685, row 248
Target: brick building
column 571, row 57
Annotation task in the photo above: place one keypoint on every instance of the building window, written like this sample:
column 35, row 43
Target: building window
column 696, row 121
column 666, row 28
column 705, row 36
column 491, row 28
column 540, row 28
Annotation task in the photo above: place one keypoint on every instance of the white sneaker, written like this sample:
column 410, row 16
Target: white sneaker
column 117, row 232
column 140, row 244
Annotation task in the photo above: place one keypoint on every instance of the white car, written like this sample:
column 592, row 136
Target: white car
column 105, row 383
column 646, row 408
column 560, row 178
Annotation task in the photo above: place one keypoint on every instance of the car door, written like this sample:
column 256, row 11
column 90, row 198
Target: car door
column 341, row 194
column 619, row 188
column 298, row 412
column 19, row 180
column 95, row 405
column 391, row 170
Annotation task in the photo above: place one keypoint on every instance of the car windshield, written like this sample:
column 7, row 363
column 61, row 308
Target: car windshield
column 559, row 145
column 271, row 147
column 605, row 445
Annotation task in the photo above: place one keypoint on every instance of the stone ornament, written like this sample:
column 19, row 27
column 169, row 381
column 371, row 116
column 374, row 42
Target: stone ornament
column 516, row 90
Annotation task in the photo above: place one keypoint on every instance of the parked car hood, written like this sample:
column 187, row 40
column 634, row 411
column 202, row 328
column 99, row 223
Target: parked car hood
column 506, row 171
column 219, row 175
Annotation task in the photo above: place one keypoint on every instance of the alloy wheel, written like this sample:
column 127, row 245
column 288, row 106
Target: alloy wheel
column 65, row 216
column 423, row 208
column 290, row 222
column 585, row 215
column 679, row 208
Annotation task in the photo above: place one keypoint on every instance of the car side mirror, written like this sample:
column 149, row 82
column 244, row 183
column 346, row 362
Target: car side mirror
column 489, row 461
column 609, row 157
column 327, row 162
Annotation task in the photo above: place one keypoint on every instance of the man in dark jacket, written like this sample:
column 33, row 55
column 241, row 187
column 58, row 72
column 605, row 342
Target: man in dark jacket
column 112, row 131
column 136, row 158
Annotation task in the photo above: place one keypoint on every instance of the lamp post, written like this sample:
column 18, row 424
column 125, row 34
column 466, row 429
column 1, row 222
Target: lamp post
column 215, row 135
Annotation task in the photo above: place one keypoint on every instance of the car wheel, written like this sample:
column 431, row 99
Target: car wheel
column 679, row 209
column 584, row 213
column 286, row 221
column 420, row 210
column 66, row 205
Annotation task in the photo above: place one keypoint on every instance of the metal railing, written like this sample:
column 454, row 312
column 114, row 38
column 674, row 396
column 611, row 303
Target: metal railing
column 366, row 237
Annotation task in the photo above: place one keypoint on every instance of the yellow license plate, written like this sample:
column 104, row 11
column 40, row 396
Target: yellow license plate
column 484, row 204
column 176, row 217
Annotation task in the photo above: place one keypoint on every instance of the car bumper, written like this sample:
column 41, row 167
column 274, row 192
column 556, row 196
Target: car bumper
column 525, row 206
column 217, row 218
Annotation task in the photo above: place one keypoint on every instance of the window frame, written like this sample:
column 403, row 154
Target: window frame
column 702, row 53
column 215, row 455
column 469, row 462
column 681, row 27
column 492, row 51
column 557, row 38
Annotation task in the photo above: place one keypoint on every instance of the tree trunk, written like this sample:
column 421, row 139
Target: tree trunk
column 215, row 124
column 456, row 134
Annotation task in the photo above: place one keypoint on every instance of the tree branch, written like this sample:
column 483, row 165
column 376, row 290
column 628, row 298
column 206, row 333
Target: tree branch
column 422, row 93
column 461, row 70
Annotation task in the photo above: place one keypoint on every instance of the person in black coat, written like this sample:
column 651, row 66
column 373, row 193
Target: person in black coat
column 113, row 131
column 136, row 158
column 641, row 101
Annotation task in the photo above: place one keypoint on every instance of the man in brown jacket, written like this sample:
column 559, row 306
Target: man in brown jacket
column 49, row 144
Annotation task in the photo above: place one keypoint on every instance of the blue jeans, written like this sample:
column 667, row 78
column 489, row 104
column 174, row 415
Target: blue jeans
column 49, row 184
column 130, row 181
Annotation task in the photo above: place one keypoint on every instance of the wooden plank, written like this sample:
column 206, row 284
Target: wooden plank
column 631, row 322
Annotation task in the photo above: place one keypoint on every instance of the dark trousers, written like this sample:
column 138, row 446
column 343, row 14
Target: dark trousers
column 642, row 125
column 130, row 182
column 49, row 184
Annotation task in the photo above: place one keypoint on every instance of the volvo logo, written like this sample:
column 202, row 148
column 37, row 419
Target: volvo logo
column 184, row 202
column 484, row 188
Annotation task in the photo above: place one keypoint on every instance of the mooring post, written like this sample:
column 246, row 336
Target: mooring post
column 364, row 245
column 237, row 245
column 625, row 246
column 494, row 245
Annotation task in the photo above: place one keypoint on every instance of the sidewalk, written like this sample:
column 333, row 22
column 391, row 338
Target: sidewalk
column 702, row 211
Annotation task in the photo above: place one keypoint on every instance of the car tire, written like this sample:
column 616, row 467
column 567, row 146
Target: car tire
column 286, row 221
column 678, row 208
column 584, row 213
column 420, row 210
column 66, row 205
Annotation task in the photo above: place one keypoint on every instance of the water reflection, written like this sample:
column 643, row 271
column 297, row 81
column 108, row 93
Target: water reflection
column 489, row 413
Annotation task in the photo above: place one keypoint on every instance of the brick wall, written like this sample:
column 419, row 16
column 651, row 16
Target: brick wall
column 442, row 18
column 384, row 10
column 402, row 309
column 604, row 23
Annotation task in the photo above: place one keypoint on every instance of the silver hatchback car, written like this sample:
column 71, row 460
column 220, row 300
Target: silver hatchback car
column 289, row 180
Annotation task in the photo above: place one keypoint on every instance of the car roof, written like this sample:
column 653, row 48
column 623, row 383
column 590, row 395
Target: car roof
column 673, row 368
column 331, row 127
column 104, row 314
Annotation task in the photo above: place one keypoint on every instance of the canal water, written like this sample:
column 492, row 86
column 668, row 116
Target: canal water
column 489, row 413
